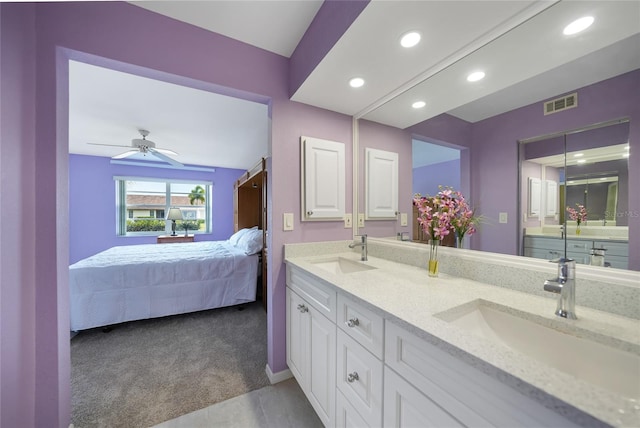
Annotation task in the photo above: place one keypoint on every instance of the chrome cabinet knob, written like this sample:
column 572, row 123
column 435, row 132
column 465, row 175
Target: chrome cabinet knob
column 352, row 377
column 302, row 308
column 353, row 322
column 309, row 213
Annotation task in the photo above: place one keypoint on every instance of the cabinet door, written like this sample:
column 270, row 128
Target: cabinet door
column 346, row 414
column 405, row 406
column 381, row 185
column 297, row 338
column 323, row 179
column 322, row 366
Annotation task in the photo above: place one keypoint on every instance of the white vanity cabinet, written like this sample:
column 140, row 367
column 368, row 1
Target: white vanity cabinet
column 358, row 369
column 359, row 365
column 425, row 383
column 311, row 341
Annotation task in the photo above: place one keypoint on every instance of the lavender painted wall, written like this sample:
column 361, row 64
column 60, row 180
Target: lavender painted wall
column 426, row 179
column 376, row 136
column 131, row 39
column 17, row 229
column 92, row 195
column 494, row 161
column 494, row 155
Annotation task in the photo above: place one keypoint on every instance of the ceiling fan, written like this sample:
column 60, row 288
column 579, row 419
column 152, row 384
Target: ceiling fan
column 144, row 146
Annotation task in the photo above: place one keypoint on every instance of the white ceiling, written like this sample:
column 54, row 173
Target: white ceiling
column 453, row 35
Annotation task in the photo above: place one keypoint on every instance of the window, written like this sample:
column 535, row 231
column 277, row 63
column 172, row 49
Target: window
column 142, row 203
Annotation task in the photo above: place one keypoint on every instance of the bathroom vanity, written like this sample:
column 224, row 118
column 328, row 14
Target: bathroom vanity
column 579, row 248
column 452, row 351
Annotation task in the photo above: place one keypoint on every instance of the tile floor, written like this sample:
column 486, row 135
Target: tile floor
column 282, row 405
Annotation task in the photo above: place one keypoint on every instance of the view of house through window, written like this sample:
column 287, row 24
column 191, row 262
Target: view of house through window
column 142, row 205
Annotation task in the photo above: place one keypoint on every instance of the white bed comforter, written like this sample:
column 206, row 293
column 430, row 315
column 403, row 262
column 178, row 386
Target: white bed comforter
column 146, row 281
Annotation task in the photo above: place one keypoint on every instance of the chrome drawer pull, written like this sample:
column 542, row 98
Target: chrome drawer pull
column 353, row 322
column 351, row 377
column 302, row 308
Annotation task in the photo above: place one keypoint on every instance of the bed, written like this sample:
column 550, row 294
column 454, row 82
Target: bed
column 136, row 282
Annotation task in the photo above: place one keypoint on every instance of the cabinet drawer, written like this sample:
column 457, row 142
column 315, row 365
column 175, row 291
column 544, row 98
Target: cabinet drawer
column 579, row 246
column 359, row 378
column 556, row 244
column 346, row 414
column 317, row 293
column 613, row 248
column 362, row 324
column 475, row 398
column 406, row 407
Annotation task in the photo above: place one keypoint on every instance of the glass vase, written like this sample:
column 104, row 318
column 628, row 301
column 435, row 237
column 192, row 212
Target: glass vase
column 434, row 244
column 459, row 241
column 578, row 230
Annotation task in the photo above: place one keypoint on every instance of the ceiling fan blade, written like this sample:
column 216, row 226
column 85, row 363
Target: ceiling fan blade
column 165, row 158
column 125, row 154
column 166, row 151
column 108, row 145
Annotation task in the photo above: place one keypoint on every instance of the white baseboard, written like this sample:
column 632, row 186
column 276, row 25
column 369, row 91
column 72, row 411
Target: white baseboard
column 278, row 377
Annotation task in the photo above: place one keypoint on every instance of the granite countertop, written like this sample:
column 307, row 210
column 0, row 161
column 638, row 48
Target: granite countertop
column 406, row 295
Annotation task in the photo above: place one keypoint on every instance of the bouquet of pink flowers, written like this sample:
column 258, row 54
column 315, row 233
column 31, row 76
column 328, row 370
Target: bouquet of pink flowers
column 434, row 214
column 578, row 215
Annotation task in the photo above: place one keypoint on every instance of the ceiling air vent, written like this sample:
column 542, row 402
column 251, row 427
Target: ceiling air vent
column 559, row 104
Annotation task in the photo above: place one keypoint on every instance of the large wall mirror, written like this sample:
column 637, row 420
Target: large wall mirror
column 488, row 123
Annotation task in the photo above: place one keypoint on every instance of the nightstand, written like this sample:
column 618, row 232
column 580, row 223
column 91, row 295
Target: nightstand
column 168, row 239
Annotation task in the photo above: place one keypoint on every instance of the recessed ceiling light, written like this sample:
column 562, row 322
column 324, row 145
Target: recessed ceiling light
column 582, row 160
column 418, row 104
column 475, row 76
column 356, row 82
column 410, row 39
column 577, row 155
column 578, row 25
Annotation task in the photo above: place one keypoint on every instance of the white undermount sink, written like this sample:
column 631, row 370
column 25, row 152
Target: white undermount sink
column 605, row 366
column 340, row 265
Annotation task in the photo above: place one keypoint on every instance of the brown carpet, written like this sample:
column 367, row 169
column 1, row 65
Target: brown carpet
column 146, row 372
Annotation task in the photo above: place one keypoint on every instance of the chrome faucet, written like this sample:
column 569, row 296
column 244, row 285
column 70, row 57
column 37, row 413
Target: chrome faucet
column 565, row 286
column 363, row 245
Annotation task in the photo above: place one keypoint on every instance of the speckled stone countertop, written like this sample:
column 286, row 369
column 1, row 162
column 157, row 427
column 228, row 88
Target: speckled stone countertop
column 406, row 295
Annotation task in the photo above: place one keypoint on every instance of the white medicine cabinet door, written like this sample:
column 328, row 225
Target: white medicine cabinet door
column 323, row 179
column 381, row 195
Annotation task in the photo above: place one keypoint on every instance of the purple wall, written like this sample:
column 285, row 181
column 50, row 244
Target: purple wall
column 92, row 194
column 426, row 179
column 494, row 155
column 376, row 136
column 131, row 39
column 17, row 229
column 494, row 161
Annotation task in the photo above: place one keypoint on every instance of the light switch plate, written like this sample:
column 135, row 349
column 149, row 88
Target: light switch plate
column 287, row 221
column 348, row 221
column 360, row 219
column 403, row 219
column 503, row 218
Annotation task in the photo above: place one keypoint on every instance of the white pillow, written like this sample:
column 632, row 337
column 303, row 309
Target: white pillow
column 233, row 239
column 250, row 242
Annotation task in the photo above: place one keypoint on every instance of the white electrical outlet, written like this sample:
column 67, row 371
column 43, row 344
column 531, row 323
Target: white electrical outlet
column 502, row 218
column 348, row 221
column 360, row 219
column 403, row 219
